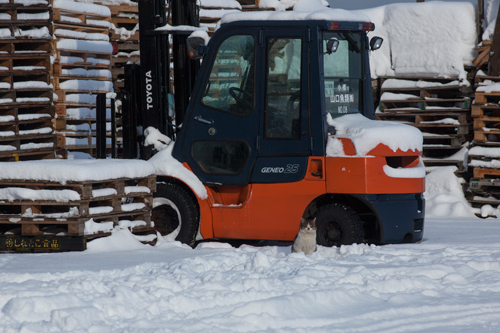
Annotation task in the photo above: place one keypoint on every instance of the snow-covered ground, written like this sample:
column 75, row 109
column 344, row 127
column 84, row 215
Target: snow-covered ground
column 450, row 282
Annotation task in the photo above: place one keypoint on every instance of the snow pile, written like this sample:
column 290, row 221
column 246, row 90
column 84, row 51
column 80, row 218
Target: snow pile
column 447, row 283
column 367, row 134
column 35, row 16
column 31, row 85
column 87, row 8
column 220, row 4
column 18, row 193
column 489, row 87
column 444, row 196
column 443, row 36
column 308, row 11
column 81, row 35
column 89, row 85
column 84, row 45
column 35, row 33
column 155, row 138
column 63, row 171
column 490, row 18
column 216, row 13
column 275, row 4
column 167, row 165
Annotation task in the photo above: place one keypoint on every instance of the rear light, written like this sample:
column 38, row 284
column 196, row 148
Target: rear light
column 368, row 27
column 334, row 25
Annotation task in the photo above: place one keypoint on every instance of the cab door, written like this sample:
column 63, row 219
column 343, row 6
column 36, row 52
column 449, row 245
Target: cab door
column 284, row 142
column 220, row 135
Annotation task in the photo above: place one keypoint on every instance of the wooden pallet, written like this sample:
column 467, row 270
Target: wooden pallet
column 18, row 64
column 444, row 162
column 14, row 4
column 484, row 54
column 18, row 21
column 85, row 55
column 122, row 8
column 58, row 80
column 26, row 97
column 450, row 140
column 490, row 136
column 439, row 91
column 84, row 18
column 29, row 27
column 424, row 117
column 486, row 173
column 59, row 28
column 483, row 185
column 28, row 147
column 22, row 113
column 26, row 47
column 431, row 104
column 483, row 97
column 101, row 200
column 485, row 111
column 62, row 110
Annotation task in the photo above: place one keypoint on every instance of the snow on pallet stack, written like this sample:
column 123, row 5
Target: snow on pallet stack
column 211, row 12
column 125, row 39
column 484, row 157
column 81, row 70
column 58, row 205
column 26, row 111
column 435, row 106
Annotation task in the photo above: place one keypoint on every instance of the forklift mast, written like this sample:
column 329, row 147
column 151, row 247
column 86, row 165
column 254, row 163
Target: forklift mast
column 146, row 101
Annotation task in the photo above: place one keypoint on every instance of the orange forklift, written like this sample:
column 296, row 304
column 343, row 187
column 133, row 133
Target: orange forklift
column 255, row 131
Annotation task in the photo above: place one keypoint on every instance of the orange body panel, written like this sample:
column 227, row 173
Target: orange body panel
column 270, row 211
column 273, row 211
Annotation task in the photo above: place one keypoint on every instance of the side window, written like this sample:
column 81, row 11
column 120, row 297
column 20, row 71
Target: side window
column 342, row 71
column 221, row 157
column 230, row 87
column 284, row 58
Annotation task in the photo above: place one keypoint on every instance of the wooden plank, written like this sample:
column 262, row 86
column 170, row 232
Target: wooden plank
column 482, row 172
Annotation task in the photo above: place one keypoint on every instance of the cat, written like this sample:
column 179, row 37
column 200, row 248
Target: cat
column 305, row 241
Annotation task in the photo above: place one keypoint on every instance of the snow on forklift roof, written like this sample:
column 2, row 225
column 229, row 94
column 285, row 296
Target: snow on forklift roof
column 323, row 14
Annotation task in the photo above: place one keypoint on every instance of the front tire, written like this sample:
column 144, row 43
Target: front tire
column 175, row 213
column 337, row 224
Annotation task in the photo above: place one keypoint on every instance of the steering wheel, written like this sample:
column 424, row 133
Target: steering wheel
column 244, row 102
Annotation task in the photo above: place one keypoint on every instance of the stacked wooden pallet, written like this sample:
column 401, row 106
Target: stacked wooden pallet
column 26, row 111
column 437, row 107
column 258, row 5
column 484, row 157
column 212, row 11
column 125, row 39
column 41, row 215
column 81, row 69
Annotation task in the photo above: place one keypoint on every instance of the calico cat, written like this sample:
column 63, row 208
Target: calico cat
column 305, row 241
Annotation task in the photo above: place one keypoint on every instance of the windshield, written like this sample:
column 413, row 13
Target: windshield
column 343, row 74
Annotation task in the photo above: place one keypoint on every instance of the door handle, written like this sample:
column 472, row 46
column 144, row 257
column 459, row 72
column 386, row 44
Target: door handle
column 203, row 120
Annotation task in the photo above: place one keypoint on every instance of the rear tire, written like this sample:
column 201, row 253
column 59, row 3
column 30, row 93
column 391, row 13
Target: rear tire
column 175, row 213
column 337, row 224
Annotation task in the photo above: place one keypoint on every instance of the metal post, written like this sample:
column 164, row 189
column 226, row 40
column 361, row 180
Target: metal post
column 130, row 111
column 101, row 126
column 113, row 129
column 184, row 12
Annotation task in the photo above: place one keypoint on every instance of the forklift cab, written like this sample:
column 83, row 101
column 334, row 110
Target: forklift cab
column 258, row 110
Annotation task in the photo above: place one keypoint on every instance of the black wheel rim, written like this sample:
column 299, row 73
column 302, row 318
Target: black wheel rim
column 332, row 234
column 165, row 218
